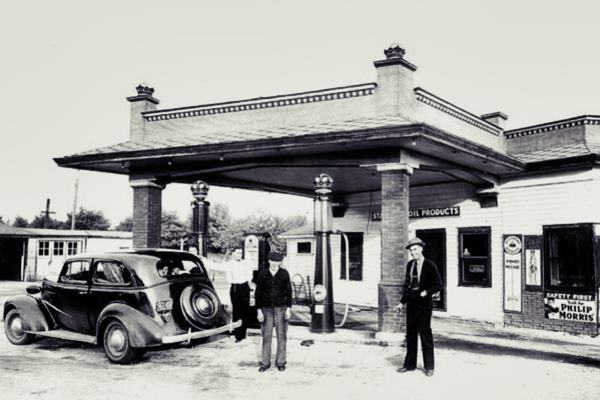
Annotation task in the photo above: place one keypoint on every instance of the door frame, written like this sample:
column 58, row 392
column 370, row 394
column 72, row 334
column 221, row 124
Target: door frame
column 443, row 270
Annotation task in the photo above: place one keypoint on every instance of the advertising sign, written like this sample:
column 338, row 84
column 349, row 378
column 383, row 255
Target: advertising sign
column 570, row 306
column 533, row 270
column 425, row 213
column 512, row 272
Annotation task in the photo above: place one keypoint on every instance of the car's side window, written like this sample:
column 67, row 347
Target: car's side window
column 111, row 272
column 75, row 271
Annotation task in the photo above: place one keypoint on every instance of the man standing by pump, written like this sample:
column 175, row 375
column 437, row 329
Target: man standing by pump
column 422, row 281
column 274, row 303
column 239, row 275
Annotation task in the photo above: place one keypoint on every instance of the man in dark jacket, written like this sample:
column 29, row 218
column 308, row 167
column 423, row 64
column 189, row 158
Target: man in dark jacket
column 273, row 296
column 422, row 281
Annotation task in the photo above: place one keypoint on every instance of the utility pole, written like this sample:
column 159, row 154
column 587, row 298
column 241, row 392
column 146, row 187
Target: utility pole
column 47, row 213
column 75, row 202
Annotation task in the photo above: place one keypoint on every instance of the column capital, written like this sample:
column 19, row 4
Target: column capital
column 150, row 183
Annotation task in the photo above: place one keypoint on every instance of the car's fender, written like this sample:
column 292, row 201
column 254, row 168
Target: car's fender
column 31, row 312
column 143, row 331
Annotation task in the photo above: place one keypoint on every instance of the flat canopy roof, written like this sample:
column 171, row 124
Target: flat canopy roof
column 287, row 159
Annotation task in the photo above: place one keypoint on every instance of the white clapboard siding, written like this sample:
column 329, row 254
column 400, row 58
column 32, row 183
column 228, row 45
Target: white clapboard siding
column 524, row 206
column 559, row 199
column 299, row 263
column 467, row 302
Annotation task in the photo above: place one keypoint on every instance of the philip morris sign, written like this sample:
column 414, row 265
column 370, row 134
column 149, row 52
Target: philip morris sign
column 570, row 306
column 425, row 213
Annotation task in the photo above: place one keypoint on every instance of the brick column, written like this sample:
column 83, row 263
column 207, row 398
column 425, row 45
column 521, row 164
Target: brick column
column 147, row 209
column 394, row 235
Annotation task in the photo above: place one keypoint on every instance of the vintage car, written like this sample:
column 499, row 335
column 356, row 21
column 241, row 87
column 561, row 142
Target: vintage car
column 126, row 302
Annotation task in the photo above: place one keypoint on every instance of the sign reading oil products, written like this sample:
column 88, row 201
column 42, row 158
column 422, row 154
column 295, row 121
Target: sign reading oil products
column 513, row 265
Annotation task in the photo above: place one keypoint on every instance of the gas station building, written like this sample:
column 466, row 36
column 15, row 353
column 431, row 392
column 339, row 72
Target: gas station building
column 509, row 216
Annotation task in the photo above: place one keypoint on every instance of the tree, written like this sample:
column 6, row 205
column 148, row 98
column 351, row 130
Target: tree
column 40, row 222
column 261, row 222
column 172, row 230
column 20, row 222
column 88, row 220
column 219, row 222
column 125, row 225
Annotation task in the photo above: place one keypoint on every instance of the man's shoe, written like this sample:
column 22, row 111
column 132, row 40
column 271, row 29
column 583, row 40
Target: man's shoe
column 429, row 372
column 262, row 368
column 281, row 367
column 404, row 369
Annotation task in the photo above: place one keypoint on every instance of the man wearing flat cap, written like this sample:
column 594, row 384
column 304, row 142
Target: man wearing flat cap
column 422, row 281
column 273, row 296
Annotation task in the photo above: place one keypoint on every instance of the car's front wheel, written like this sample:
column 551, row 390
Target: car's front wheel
column 13, row 327
column 116, row 343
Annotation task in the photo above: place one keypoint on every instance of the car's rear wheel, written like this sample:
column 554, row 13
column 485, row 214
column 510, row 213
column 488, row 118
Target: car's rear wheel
column 116, row 343
column 200, row 306
column 13, row 327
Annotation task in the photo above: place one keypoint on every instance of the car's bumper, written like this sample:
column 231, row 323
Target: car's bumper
column 189, row 336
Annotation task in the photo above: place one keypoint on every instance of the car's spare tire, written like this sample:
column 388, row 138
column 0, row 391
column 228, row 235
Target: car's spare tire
column 199, row 305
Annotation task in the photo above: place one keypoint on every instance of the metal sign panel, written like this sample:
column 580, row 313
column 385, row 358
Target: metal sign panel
column 513, row 265
column 570, row 307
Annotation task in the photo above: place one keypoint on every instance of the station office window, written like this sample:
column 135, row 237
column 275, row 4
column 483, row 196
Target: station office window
column 474, row 257
column 59, row 249
column 304, row 248
column 569, row 257
column 71, row 248
column 43, row 248
column 355, row 269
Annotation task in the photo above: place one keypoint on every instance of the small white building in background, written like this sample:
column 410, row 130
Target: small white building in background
column 29, row 254
column 360, row 288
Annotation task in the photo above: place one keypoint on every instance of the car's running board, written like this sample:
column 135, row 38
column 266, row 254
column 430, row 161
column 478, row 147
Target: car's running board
column 66, row 335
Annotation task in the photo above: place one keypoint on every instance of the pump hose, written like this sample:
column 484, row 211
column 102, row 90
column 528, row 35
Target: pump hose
column 347, row 308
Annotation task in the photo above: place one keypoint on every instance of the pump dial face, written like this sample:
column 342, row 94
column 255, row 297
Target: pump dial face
column 320, row 293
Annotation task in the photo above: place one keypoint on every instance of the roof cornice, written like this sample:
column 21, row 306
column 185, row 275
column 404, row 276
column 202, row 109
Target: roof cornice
column 262, row 102
column 553, row 126
column 455, row 111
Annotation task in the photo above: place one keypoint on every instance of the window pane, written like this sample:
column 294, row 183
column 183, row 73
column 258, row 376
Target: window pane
column 304, row 248
column 43, row 248
column 355, row 257
column 71, row 248
column 474, row 270
column 474, row 255
column 112, row 272
column 475, row 244
column 570, row 257
column 76, row 271
column 59, row 248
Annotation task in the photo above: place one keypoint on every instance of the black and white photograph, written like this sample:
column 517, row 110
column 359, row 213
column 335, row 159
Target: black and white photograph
column 300, row 200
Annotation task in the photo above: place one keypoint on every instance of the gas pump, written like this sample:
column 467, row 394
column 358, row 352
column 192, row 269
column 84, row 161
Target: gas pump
column 322, row 313
column 200, row 216
column 256, row 250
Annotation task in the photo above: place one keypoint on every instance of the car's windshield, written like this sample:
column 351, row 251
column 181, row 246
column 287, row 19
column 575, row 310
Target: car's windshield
column 176, row 267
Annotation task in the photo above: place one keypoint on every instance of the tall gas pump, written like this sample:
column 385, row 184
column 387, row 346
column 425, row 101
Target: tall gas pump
column 322, row 314
column 200, row 216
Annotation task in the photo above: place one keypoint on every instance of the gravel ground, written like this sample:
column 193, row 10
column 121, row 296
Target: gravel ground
column 222, row 369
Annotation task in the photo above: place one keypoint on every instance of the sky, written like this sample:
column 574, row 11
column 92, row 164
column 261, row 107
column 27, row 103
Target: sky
column 67, row 66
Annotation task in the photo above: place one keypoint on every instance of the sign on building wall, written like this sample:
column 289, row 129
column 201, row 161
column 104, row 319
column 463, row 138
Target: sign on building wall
column 425, row 213
column 533, row 261
column 570, row 306
column 251, row 251
column 513, row 246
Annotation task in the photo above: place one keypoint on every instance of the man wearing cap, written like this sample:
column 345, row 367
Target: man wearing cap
column 422, row 281
column 273, row 296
